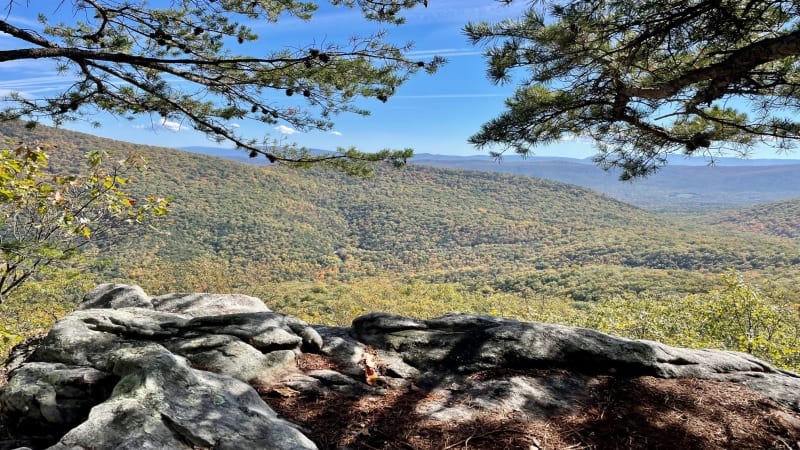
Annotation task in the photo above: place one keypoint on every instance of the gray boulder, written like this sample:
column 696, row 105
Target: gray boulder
column 266, row 331
column 227, row 355
column 463, row 343
column 179, row 377
column 116, row 296
column 161, row 402
column 88, row 337
column 204, row 304
column 54, row 393
column 127, row 371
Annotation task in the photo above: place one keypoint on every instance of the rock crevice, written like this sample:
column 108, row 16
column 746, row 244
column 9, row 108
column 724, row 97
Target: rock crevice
column 126, row 370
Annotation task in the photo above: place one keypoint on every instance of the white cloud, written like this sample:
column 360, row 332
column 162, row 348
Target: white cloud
column 283, row 129
column 23, row 21
column 336, row 133
column 162, row 124
column 572, row 137
column 234, row 125
column 28, row 86
column 171, row 126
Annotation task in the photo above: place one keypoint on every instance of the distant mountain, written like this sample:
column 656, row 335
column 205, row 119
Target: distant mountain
column 227, row 153
column 695, row 188
column 446, row 223
column 672, row 160
column 686, row 185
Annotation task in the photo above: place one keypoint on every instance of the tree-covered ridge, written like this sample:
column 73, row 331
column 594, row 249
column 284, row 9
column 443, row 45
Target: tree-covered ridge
column 776, row 219
column 423, row 241
column 438, row 223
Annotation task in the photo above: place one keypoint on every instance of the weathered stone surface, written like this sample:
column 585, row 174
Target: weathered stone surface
column 173, row 371
column 123, row 424
column 203, row 304
column 783, row 387
column 116, row 296
column 87, row 337
column 161, row 402
column 347, row 352
column 230, row 356
column 54, row 394
column 22, row 352
column 463, row 343
column 266, row 331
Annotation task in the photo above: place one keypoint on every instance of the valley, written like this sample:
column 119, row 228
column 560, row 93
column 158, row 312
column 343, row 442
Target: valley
column 425, row 240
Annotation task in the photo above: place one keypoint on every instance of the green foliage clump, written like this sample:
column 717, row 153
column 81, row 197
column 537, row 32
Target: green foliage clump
column 598, row 282
column 47, row 217
column 34, row 307
column 780, row 218
column 737, row 317
column 339, row 303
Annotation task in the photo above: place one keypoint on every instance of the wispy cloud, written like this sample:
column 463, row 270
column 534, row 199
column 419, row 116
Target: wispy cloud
column 283, row 129
column 460, row 11
column 171, row 125
column 234, row 125
column 21, row 21
column 26, row 65
column 572, row 137
column 28, row 86
column 336, row 133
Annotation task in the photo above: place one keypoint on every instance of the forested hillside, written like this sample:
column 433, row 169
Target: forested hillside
column 441, row 224
column 776, row 218
column 423, row 241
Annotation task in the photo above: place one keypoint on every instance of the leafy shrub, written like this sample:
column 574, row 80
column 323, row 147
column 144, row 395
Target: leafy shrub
column 738, row 317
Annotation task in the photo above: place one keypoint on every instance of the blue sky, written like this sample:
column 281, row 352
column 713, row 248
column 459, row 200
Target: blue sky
column 431, row 113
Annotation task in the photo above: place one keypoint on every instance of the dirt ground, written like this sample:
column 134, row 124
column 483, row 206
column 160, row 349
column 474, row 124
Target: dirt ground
column 622, row 413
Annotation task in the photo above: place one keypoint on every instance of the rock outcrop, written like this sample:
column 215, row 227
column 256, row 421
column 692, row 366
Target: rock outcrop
column 186, row 371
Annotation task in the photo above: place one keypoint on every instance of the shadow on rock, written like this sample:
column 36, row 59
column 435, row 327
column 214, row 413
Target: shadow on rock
column 196, row 371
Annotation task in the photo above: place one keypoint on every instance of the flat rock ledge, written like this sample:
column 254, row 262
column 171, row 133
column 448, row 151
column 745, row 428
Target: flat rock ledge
column 191, row 371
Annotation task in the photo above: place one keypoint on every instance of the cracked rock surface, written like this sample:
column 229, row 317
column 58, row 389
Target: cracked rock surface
column 186, row 371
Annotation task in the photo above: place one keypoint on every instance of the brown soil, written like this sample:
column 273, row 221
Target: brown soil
column 622, row 413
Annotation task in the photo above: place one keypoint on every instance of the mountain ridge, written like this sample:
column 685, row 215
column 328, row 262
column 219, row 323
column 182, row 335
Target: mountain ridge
column 672, row 160
column 684, row 185
column 394, row 221
column 421, row 222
